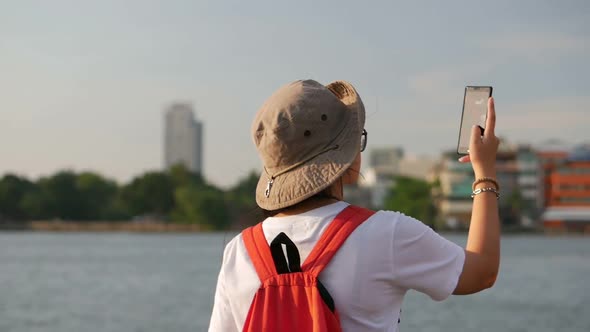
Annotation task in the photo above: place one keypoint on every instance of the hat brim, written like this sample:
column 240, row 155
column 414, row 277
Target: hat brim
column 319, row 173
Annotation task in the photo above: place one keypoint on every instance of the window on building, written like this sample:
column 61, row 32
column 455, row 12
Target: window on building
column 528, row 173
column 578, row 200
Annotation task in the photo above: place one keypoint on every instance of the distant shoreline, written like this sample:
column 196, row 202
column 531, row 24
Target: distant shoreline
column 161, row 227
column 100, row 227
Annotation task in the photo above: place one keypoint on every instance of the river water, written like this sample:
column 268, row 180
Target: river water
column 119, row 282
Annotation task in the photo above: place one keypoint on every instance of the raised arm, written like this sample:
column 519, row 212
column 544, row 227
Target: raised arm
column 482, row 252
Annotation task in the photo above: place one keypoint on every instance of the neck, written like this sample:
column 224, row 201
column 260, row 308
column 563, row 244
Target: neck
column 306, row 205
column 335, row 190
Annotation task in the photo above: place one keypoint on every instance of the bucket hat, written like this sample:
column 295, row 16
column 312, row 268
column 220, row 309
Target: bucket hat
column 307, row 135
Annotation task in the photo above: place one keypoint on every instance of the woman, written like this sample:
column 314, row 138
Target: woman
column 310, row 138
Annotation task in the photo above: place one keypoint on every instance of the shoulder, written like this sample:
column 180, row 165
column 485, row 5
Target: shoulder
column 234, row 249
column 396, row 221
column 397, row 227
column 387, row 227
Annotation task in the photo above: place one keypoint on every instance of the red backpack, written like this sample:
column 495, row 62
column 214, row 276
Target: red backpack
column 291, row 298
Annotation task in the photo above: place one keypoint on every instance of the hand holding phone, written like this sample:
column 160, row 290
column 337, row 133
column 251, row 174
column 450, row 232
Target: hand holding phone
column 475, row 110
column 483, row 149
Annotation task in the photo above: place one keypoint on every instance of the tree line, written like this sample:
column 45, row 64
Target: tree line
column 176, row 195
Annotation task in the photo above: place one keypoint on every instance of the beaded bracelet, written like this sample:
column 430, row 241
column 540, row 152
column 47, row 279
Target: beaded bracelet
column 483, row 190
column 481, row 180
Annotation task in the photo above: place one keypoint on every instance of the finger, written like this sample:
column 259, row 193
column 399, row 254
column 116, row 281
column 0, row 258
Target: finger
column 491, row 119
column 475, row 137
column 465, row 159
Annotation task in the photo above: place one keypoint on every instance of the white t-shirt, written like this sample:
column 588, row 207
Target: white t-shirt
column 368, row 277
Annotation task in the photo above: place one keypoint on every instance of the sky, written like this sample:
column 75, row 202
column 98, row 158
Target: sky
column 84, row 84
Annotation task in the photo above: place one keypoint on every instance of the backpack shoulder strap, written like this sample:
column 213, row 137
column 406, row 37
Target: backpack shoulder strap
column 259, row 251
column 334, row 236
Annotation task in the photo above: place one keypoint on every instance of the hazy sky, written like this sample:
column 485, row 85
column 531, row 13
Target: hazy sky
column 83, row 84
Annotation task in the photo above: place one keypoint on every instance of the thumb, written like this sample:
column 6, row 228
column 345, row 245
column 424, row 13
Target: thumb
column 475, row 136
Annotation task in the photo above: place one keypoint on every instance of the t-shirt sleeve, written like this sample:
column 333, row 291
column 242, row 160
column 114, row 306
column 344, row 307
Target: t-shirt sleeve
column 222, row 318
column 424, row 260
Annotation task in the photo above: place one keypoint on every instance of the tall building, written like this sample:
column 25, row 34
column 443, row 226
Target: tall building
column 183, row 138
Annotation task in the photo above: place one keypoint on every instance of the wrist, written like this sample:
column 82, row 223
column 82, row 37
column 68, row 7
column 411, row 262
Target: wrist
column 485, row 182
column 484, row 173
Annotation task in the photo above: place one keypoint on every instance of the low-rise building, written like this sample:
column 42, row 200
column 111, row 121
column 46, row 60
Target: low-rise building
column 568, row 199
column 518, row 174
column 550, row 155
column 453, row 193
column 530, row 185
column 379, row 177
column 417, row 167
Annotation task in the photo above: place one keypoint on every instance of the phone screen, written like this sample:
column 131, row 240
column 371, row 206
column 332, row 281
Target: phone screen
column 475, row 111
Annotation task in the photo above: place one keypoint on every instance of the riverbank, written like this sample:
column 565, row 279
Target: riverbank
column 98, row 226
column 162, row 227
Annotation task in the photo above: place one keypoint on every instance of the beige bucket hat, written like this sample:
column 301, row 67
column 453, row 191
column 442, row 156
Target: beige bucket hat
column 307, row 136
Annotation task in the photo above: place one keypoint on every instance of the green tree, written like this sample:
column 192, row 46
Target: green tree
column 117, row 209
column 513, row 208
column 413, row 198
column 182, row 176
column 201, row 205
column 69, row 196
column 242, row 200
column 178, row 193
column 13, row 189
column 37, row 204
column 60, row 197
column 97, row 195
column 244, row 192
column 150, row 193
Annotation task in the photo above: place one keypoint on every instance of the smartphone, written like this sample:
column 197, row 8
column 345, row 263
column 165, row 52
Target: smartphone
column 475, row 112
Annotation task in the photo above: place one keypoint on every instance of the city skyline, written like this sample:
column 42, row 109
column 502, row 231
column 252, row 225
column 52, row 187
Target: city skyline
column 83, row 86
